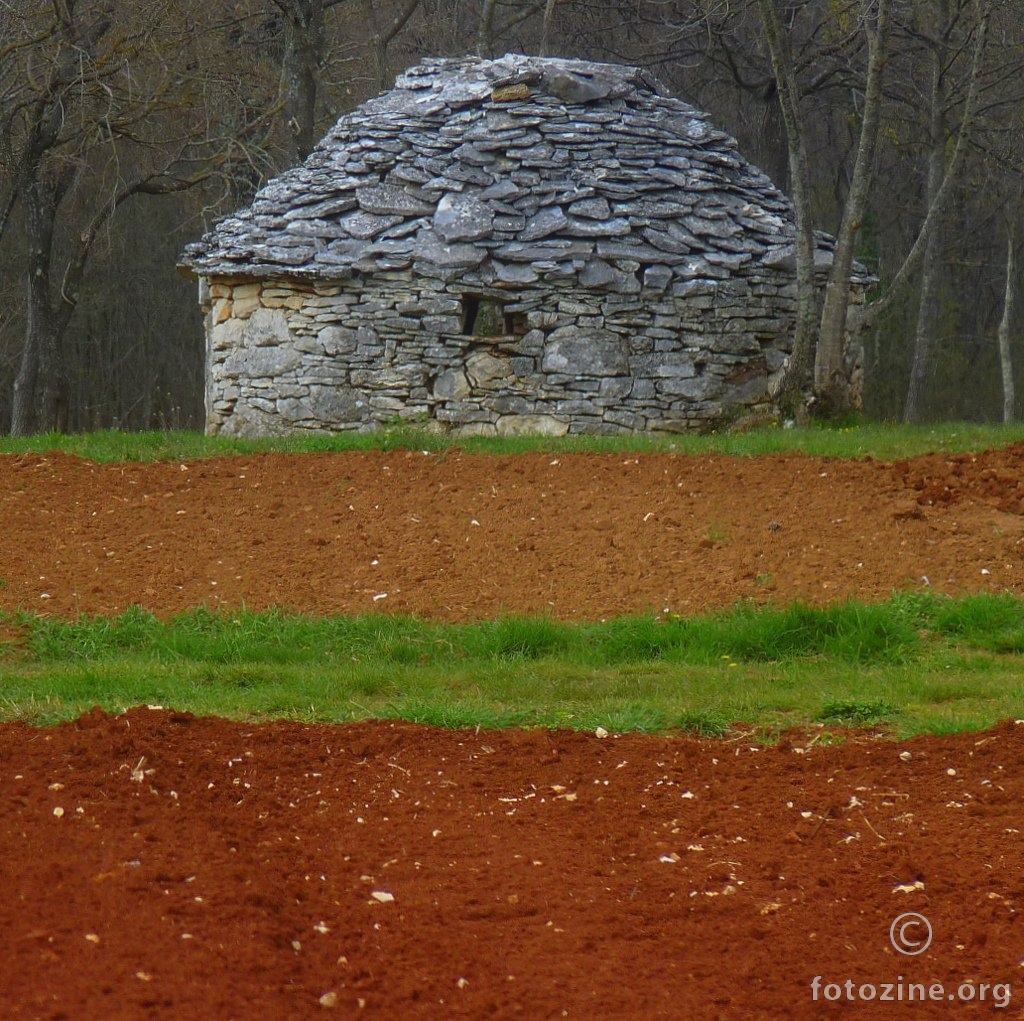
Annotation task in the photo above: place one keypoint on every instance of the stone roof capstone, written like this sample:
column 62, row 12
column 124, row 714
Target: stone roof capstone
column 508, row 172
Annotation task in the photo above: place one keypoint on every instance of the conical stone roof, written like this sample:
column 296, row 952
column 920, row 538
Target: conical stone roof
column 515, row 171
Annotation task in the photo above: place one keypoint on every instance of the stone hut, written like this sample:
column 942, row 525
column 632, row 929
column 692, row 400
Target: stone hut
column 497, row 246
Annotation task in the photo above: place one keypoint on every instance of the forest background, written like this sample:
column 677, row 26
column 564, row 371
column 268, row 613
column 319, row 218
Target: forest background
column 128, row 128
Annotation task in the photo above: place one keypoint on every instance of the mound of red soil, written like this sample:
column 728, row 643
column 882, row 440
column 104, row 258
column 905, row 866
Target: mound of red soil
column 456, row 536
column 160, row 866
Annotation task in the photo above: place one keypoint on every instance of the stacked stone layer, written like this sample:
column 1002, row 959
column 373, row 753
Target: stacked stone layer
column 639, row 270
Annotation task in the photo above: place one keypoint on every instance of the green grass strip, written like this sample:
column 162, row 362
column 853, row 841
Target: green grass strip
column 850, row 633
column 918, row 663
column 878, row 439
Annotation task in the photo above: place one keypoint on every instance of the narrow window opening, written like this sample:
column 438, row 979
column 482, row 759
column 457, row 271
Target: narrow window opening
column 470, row 314
column 487, row 317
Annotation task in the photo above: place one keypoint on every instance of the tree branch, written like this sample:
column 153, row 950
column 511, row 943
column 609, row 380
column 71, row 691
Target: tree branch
column 870, row 314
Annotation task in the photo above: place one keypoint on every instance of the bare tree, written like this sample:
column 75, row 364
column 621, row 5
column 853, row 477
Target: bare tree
column 941, row 42
column 790, row 397
column 384, row 35
column 545, row 38
column 97, row 110
column 830, row 383
column 491, row 29
column 1006, row 325
column 820, row 336
column 306, row 39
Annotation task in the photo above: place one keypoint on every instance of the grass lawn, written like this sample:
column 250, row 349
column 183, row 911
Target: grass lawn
column 879, row 440
column 916, row 664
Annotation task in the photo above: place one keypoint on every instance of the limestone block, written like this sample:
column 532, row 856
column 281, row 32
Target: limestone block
column 514, row 273
column 484, row 370
column 330, row 405
column 575, row 408
column 728, row 343
column 451, row 385
column 249, row 422
column 628, row 420
column 463, row 411
column 542, row 320
column 293, row 390
column 591, row 352
column 462, row 218
column 475, row 429
column 242, row 308
column 245, row 300
column 367, row 341
column 512, row 404
column 337, row 340
column 226, row 336
column 391, row 377
column 697, row 388
column 531, row 425
column 615, row 386
column 574, row 307
column 544, row 222
column 307, row 344
column 531, row 342
column 441, row 324
column 266, row 327
column 262, row 362
column 318, row 372
column 386, row 406
column 657, row 278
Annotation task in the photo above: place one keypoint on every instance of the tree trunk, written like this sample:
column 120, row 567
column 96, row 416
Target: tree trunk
column 928, row 300
column 545, row 37
column 1009, row 300
column 790, row 396
column 300, row 75
column 40, row 388
column 485, row 33
column 830, row 383
column 382, row 37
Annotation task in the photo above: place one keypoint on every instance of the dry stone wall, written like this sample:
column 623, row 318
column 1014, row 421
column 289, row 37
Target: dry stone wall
column 287, row 355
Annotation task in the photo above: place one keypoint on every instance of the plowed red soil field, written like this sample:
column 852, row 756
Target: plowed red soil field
column 156, row 865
